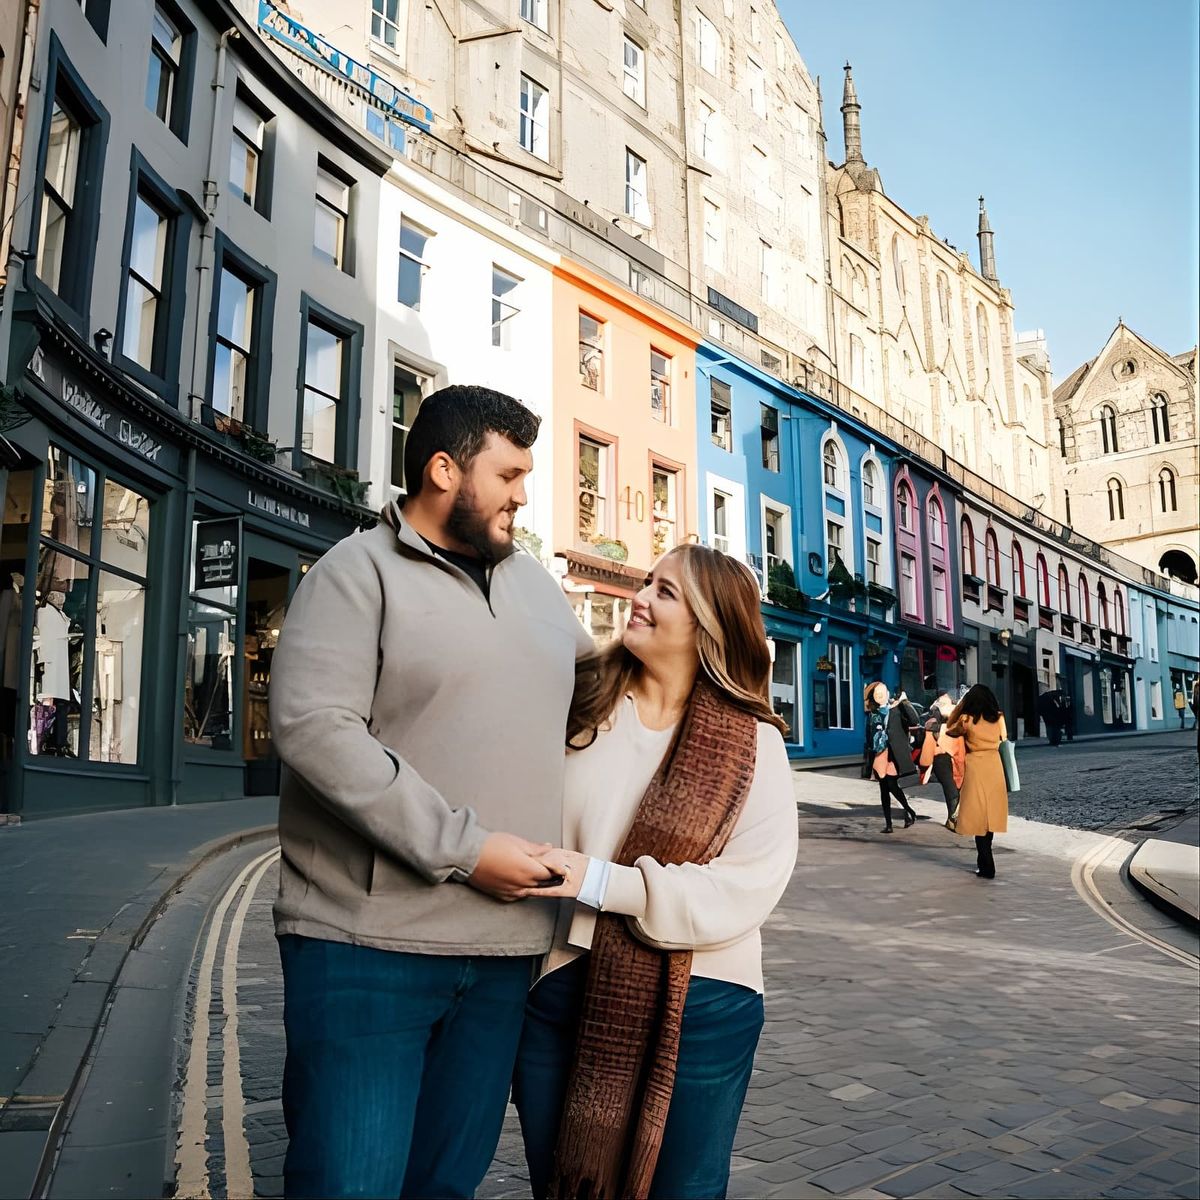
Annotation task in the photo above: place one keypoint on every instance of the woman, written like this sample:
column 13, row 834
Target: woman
column 983, row 802
column 887, row 748
column 680, row 834
column 943, row 755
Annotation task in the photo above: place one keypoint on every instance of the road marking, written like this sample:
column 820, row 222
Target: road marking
column 1083, row 871
column 191, row 1157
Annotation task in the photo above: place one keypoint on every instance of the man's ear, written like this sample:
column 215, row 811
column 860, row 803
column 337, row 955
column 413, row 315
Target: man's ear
column 442, row 473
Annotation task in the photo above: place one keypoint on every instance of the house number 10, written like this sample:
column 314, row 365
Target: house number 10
column 635, row 504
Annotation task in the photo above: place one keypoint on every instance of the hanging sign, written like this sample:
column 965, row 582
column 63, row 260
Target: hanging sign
column 217, row 553
column 825, row 665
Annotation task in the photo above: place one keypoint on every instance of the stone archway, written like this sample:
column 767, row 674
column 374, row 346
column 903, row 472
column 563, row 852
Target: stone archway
column 1179, row 565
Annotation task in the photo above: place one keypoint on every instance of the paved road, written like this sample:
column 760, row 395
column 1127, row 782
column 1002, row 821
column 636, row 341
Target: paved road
column 928, row 1033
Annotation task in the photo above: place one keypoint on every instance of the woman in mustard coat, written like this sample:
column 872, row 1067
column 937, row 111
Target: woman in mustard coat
column 983, row 800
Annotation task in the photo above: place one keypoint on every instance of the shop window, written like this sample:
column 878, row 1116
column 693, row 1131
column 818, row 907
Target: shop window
column 327, row 421
column 331, row 217
column 408, row 390
column 784, row 673
column 721, row 403
column 249, row 153
column 664, row 490
column 209, row 681
column 89, row 622
column 840, row 708
column 591, row 352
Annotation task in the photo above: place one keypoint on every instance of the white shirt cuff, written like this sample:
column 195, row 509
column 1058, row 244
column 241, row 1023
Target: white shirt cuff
column 595, row 883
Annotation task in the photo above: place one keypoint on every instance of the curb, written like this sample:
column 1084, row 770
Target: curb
column 120, row 938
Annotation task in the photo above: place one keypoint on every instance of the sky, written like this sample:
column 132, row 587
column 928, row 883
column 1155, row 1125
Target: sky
column 1077, row 119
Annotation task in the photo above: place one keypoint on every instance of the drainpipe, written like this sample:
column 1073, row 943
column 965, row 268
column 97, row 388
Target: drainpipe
column 212, row 194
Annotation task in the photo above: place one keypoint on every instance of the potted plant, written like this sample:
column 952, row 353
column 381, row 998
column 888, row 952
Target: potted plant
column 781, row 587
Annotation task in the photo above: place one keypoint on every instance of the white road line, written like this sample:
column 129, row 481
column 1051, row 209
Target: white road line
column 239, row 1181
column 1082, row 876
column 191, row 1158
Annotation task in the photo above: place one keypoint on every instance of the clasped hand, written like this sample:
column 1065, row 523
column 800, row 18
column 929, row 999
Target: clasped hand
column 511, row 868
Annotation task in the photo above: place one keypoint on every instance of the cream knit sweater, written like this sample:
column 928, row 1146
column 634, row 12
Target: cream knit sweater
column 715, row 909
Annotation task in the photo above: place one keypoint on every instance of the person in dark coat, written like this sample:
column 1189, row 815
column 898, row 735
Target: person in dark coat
column 1050, row 710
column 888, row 748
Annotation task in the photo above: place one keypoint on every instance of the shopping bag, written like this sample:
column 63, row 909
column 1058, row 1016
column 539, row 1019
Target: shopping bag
column 1008, row 759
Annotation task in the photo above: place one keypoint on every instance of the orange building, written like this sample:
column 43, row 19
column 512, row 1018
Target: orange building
column 624, row 441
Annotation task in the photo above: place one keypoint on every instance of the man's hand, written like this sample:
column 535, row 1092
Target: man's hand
column 571, row 866
column 508, row 866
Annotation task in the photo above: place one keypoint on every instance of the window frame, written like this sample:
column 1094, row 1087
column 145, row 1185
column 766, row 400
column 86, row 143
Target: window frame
column 714, row 45
column 422, row 263
column 605, row 477
column 529, row 116
column 1018, row 571
column 634, row 75
column 596, row 349
column 725, row 402
column 663, row 379
column 384, row 25
column 1166, row 479
column 326, row 167
column 501, row 323
column 642, row 215
column 529, row 14
column 1160, row 419
column 179, row 120
column 346, row 429
column 677, row 473
column 1116, row 492
column 1108, row 430
column 264, row 179
column 991, row 557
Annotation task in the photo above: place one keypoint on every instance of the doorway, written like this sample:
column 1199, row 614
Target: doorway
column 268, row 590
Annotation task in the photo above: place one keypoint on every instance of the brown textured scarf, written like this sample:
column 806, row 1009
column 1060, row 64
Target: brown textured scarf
column 628, row 1043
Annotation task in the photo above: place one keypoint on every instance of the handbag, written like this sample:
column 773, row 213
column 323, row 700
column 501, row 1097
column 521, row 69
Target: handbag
column 1008, row 760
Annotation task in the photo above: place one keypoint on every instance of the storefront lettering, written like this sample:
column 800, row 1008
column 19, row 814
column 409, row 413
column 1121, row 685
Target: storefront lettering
column 85, row 406
column 137, row 440
column 284, row 512
column 88, row 407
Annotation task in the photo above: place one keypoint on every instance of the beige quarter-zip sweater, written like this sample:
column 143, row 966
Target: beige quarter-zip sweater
column 413, row 717
column 715, row 910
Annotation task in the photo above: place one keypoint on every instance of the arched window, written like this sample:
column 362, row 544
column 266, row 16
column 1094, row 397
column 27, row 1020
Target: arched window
column 1102, row 604
column 991, row 550
column 847, row 278
column 1116, row 499
column 898, row 266
column 981, row 327
column 906, row 507
column 1166, row 490
column 1108, row 429
column 1159, row 418
column 937, row 523
column 838, row 506
column 877, row 549
column 833, row 466
column 870, row 483
column 1085, row 600
column 1018, row 571
column 1118, row 612
column 943, row 290
column 1043, row 582
column 1064, row 590
column 967, row 533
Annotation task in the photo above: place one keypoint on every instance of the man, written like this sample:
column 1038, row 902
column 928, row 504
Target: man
column 1050, row 709
column 419, row 696
column 1181, row 705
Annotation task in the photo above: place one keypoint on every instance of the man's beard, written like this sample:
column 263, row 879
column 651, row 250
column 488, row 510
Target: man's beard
column 468, row 527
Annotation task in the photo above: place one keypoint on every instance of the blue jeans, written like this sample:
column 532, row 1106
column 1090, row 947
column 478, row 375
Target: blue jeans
column 721, row 1026
column 398, row 1067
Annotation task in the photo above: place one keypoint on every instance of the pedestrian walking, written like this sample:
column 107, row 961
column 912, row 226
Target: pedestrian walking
column 1181, row 705
column 943, row 755
column 1050, row 710
column 419, row 704
column 983, row 800
column 679, row 837
column 888, row 749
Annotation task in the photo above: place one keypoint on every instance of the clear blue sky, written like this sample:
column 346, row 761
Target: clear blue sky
column 1077, row 119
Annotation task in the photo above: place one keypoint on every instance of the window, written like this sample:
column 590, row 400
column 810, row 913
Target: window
column 535, row 112
column 721, row 403
column 637, row 203
column 634, row 81
column 1102, row 604
column 1064, row 591
column 1166, row 490
column 707, row 44
column 234, row 353
column 327, row 420
column 143, row 328
column 906, row 507
column 385, row 22
column 593, row 489
column 840, row 711
column 937, row 521
column 831, row 465
column 92, row 569
column 591, row 352
column 835, row 541
column 1159, row 417
column 1118, row 613
column 783, row 687
column 407, row 394
column 166, row 60
column 768, row 420
column 708, row 132
column 774, row 540
column 870, row 484
column 413, row 265
column 758, row 89
column 908, row 586
column 534, row 11
column 1085, row 600
column 660, row 386
column 1116, row 500
column 331, row 216
column 1108, row 429
column 875, row 561
column 1043, row 582
column 991, row 553
column 59, row 185
column 720, row 523
column 766, row 272
column 714, row 237
column 245, row 152
column 941, row 606
column 504, row 311
column 663, row 534
column 97, row 13
column 1018, row 571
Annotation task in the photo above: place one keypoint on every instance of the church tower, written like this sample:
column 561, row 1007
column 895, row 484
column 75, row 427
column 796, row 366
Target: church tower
column 987, row 248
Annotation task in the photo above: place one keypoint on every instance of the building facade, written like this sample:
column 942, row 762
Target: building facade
column 1130, row 453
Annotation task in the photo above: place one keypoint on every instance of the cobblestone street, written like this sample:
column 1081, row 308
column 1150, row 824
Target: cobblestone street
column 928, row 1033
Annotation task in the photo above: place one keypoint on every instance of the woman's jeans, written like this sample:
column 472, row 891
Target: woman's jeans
column 398, row 1067
column 721, row 1025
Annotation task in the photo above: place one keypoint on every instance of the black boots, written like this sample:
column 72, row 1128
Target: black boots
column 986, row 868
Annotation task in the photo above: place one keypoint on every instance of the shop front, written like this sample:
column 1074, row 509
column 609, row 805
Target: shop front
column 931, row 665
column 134, row 673
column 1006, row 662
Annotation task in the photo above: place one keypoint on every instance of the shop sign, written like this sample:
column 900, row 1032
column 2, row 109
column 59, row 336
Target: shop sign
column 217, row 553
column 825, row 665
column 128, row 433
column 276, row 508
column 302, row 40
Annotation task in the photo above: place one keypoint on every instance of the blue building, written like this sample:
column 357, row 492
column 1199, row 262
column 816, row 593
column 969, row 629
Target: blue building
column 1165, row 630
column 804, row 496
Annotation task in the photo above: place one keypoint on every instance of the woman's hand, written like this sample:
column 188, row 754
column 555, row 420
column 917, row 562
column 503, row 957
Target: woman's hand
column 571, row 865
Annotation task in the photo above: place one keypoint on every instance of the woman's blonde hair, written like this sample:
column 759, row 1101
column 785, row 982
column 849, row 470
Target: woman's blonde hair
column 723, row 597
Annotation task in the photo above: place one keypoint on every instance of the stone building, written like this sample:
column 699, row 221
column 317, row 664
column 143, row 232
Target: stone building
column 1128, row 440
column 921, row 332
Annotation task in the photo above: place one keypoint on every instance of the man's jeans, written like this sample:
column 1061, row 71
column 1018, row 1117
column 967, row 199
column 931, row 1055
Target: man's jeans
column 398, row 1067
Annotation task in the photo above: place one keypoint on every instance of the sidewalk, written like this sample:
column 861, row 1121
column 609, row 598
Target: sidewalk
column 76, row 894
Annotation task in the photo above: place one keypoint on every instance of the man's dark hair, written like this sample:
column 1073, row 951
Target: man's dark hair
column 456, row 421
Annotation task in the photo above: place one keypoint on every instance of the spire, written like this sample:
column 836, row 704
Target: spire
column 850, row 120
column 987, row 249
